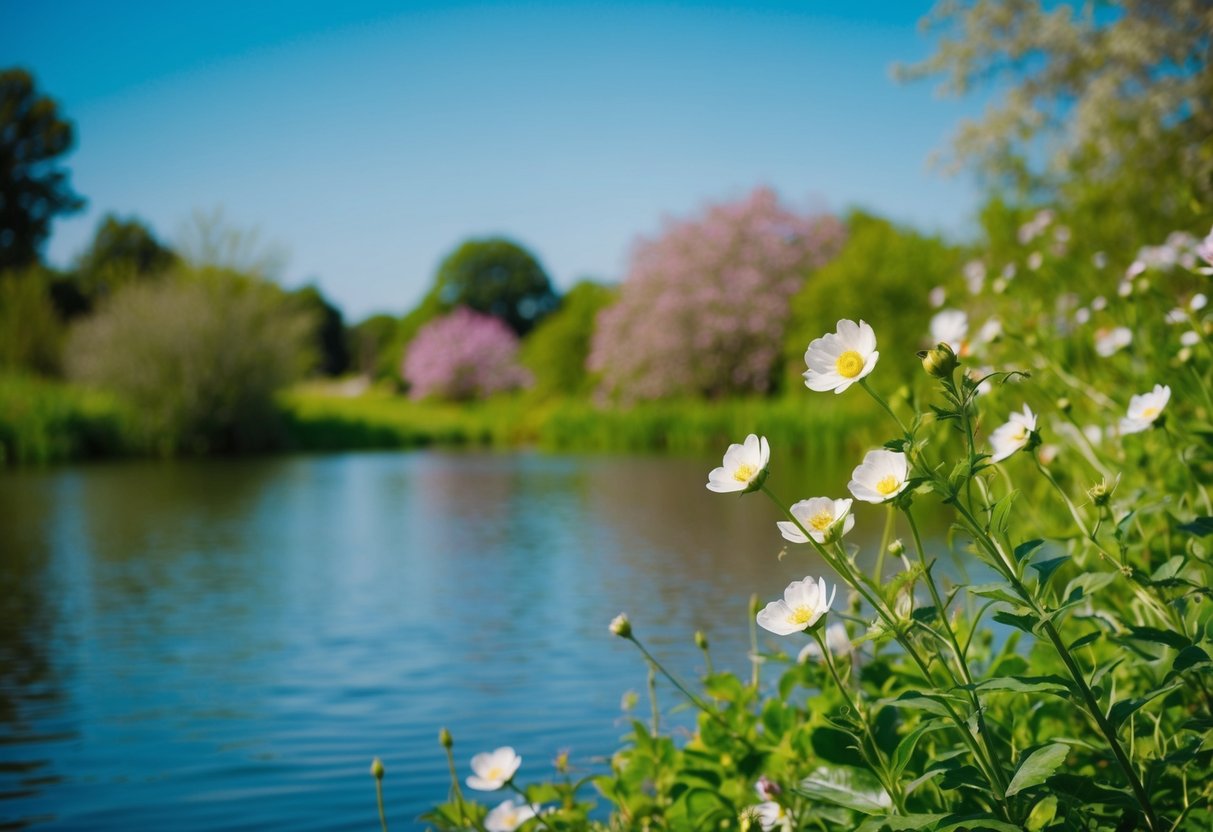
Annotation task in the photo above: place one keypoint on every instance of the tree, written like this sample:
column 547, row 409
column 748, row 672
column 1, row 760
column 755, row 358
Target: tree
column 31, row 332
column 199, row 356
column 557, row 349
column 330, row 347
column 461, row 356
column 497, row 277
column 33, row 188
column 121, row 251
column 1104, row 110
column 705, row 305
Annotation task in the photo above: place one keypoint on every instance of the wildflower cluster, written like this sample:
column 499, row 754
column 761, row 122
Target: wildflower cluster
column 1066, row 686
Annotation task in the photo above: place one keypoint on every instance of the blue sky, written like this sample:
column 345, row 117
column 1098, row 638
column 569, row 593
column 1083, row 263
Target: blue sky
column 368, row 138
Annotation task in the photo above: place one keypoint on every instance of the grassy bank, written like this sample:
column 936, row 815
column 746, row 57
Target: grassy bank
column 318, row 420
column 45, row 421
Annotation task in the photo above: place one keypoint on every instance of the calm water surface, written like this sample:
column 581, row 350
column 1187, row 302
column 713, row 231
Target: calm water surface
column 226, row 645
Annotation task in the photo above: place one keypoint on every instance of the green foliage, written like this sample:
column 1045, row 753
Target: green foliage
column 121, row 251
column 556, row 350
column 329, row 341
column 1070, row 689
column 33, row 188
column 1101, row 108
column 31, row 334
column 882, row 275
column 45, row 421
column 199, row 357
column 372, row 346
column 497, row 277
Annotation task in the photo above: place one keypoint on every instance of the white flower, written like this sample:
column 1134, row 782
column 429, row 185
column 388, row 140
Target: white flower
column 951, row 327
column 1010, row 437
column 1145, row 408
column 1099, row 260
column 508, row 816
column 1108, row 342
column 1198, row 302
column 772, row 816
column 1082, row 316
column 819, row 516
column 621, row 626
column 494, row 769
column 1176, row 316
column 1190, row 338
column 975, row 276
column 1035, row 260
column 880, row 477
column 745, row 467
column 1094, row 434
column 837, row 639
column 989, row 331
column 804, row 603
column 1100, row 303
column 936, row 297
column 838, row 359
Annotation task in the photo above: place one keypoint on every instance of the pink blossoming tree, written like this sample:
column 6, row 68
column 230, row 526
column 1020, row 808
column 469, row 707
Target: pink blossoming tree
column 705, row 305
column 463, row 355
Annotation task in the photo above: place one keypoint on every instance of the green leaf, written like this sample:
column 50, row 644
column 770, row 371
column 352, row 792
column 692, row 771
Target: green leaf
column 1125, row 708
column 1189, row 657
column 1042, row 814
column 1026, row 684
column 1026, row 548
column 1001, row 512
column 1167, row 637
column 1169, row 569
column 905, row 748
column 931, row 703
column 998, row 592
column 1083, row 641
column 975, row 823
column 1201, row 526
column 1037, row 767
column 1086, row 790
column 847, row 788
column 898, row 823
column 1020, row 622
column 837, row 746
column 1046, row 568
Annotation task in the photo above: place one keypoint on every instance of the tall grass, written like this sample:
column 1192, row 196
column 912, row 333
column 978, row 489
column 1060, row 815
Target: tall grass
column 45, row 421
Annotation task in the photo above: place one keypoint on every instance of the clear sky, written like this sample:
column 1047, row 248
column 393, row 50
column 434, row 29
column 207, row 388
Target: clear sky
column 368, row 138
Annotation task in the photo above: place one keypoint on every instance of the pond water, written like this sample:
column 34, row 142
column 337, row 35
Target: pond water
column 227, row 644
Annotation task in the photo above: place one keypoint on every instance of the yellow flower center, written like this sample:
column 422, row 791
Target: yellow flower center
column 822, row 520
column 888, row 485
column 801, row 615
column 745, row 472
column 1021, row 433
column 1149, row 413
column 849, row 364
column 493, row 773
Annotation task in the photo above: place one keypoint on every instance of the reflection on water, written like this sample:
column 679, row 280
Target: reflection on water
column 225, row 645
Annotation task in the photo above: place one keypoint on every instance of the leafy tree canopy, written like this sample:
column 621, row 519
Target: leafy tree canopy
column 1104, row 109
column 122, row 250
column 33, row 188
column 497, row 277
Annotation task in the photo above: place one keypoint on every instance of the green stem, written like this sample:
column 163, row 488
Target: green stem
column 840, row 566
column 379, row 800
column 527, row 801
column 1080, row 681
column 863, row 382
column 699, row 703
column 890, row 784
column 653, row 699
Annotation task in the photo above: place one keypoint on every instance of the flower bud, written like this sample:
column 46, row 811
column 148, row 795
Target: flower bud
column 562, row 762
column 939, row 362
column 701, row 641
column 1063, row 405
column 377, row 768
column 621, row 626
column 445, row 739
column 1100, row 493
column 897, row 548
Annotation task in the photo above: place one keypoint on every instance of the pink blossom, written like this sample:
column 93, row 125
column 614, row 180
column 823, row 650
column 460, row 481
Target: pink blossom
column 464, row 355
